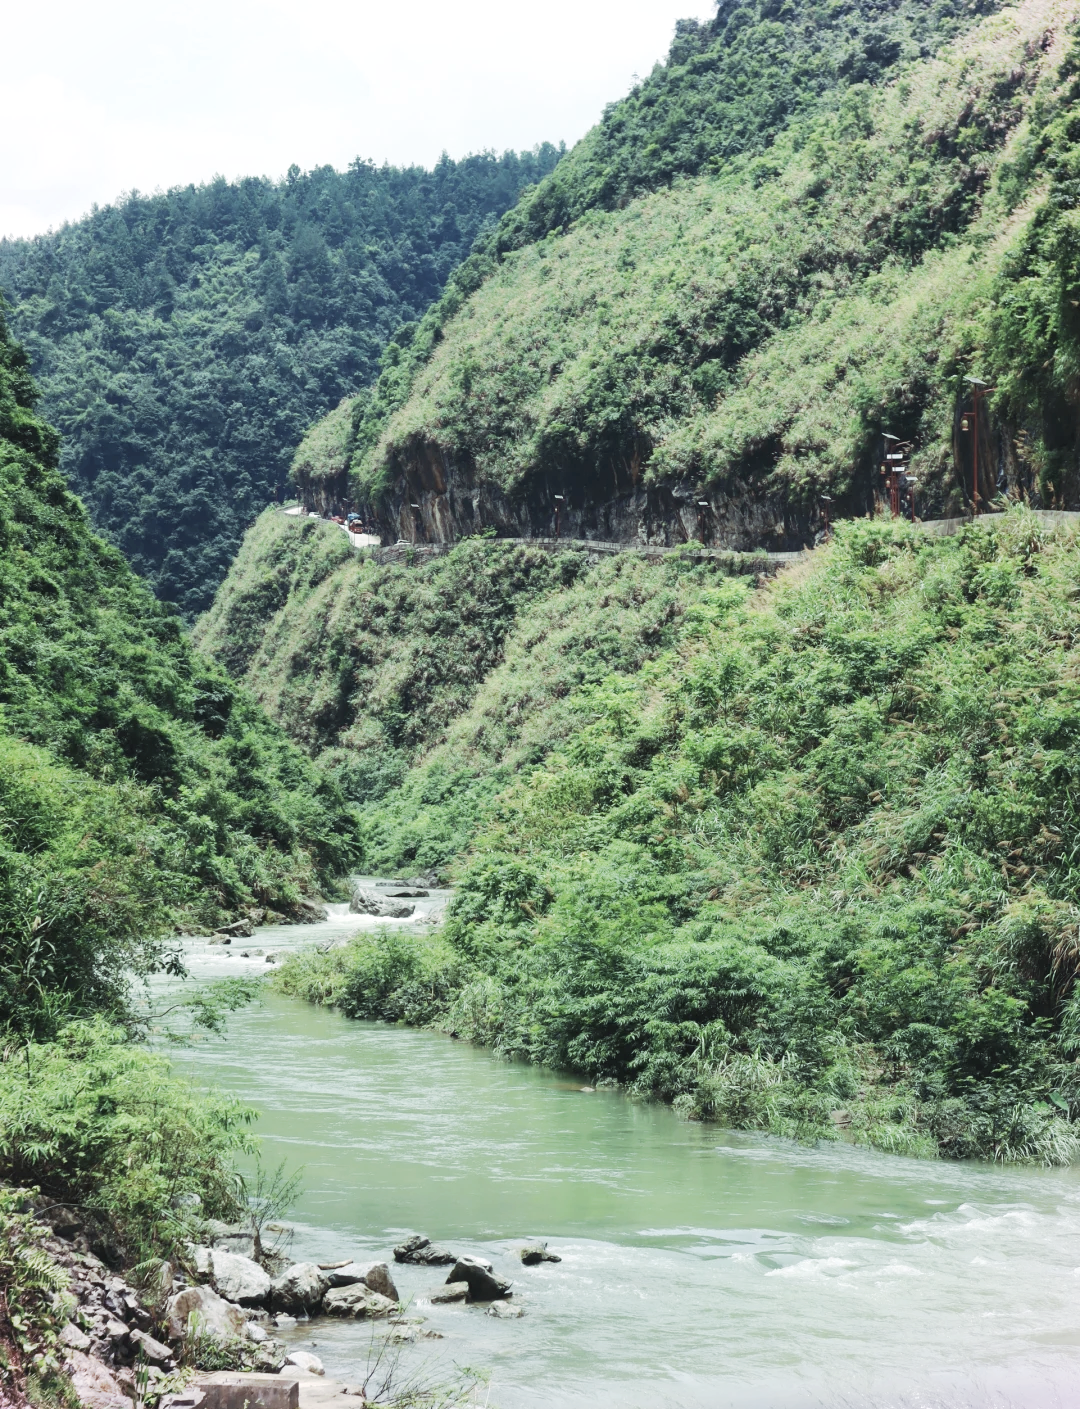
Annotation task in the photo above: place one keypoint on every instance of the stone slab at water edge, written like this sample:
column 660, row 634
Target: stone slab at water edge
column 423, row 1251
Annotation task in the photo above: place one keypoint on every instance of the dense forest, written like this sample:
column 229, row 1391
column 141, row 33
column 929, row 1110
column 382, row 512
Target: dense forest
column 184, row 341
column 804, row 230
column 139, row 788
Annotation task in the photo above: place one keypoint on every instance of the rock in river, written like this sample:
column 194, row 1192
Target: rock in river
column 300, row 1287
column 505, row 1311
column 483, row 1284
column 449, row 1292
column 356, row 1302
column 304, row 1360
column 535, row 1253
column 375, row 1275
column 369, row 902
column 424, row 1252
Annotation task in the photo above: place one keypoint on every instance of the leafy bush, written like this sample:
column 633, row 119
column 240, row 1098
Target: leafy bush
column 100, row 1122
column 34, row 1300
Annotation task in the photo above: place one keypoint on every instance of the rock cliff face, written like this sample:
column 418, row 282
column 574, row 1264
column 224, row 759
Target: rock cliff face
column 437, row 499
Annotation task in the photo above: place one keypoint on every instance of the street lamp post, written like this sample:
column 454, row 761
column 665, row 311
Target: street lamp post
column 559, row 501
column 894, row 469
column 702, row 505
column 826, row 500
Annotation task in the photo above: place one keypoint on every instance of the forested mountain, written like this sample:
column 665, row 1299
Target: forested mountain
column 139, row 787
column 803, row 231
column 184, row 341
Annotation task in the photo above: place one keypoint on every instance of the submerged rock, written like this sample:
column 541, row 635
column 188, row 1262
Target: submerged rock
column 535, row 1253
column 505, row 1311
column 357, row 1302
column 449, row 1292
column 423, row 1252
column 483, row 1283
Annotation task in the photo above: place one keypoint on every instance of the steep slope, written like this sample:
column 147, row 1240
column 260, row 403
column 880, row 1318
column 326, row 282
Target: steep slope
column 139, row 788
column 805, row 860
column 800, row 233
column 185, row 341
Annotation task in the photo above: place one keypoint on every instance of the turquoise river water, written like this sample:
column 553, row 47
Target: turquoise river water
column 699, row 1266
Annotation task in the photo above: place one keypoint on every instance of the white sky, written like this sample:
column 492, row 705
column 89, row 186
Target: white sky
column 104, row 96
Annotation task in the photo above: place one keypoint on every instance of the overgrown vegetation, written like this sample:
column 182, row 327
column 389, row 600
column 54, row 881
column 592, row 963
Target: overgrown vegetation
column 138, row 786
column 804, row 229
column 100, row 1124
column 366, row 664
column 808, row 862
column 184, row 341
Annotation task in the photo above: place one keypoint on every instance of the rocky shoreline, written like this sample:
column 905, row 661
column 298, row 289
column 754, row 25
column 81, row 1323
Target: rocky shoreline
column 217, row 1308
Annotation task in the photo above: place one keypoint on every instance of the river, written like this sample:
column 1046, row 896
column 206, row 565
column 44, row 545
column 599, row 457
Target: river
column 699, row 1266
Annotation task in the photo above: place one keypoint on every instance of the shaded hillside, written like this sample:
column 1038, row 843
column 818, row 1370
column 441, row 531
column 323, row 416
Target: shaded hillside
column 800, row 233
column 185, row 341
column 138, row 786
column 802, row 858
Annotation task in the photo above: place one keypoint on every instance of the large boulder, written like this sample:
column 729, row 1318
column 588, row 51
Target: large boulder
column 238, row 1278
column 370, row 902
column 96, row 1385
column 356, row 1302
column 300, row 1287
column 424, row 1252
column 214, row 1315
column 483, row 1284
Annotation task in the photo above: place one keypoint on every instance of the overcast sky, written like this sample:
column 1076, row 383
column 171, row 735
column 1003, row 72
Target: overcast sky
column 107, row 96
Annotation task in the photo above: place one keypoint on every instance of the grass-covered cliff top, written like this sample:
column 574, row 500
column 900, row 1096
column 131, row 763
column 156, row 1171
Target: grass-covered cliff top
column 138, row 785
column 803, row 230
column 799, row 856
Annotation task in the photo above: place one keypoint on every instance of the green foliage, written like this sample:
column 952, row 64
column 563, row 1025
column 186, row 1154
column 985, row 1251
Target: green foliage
column 185, row 340
column 366, row 664
column 35, row 1299
column 137, row 784
column 101, row 1123
column 803, row 230
column 809, row 864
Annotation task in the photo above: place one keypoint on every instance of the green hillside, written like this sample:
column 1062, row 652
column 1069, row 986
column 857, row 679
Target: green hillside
column 801, row 858
column 803, row 230
column 185, row 341
column 139, row 787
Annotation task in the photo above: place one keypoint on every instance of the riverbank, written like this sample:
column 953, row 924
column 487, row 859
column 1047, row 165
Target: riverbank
column 699, row 1267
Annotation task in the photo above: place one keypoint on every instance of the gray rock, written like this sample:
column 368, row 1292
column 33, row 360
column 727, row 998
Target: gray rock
column 285, row 1322
column 505, row 1311
column 408, row 894
column 377, row 1277
column 73, row 1337
column 449, row 1292
column 369, row 902
column 357, row 1302
column 238, row 1279
column 423, row 1252
column 152, row 1349
column 306, row 912
column 303, row 1360
column 255, row 1333
column 243, row 929
column 483, row 1284
column 300, row 1287
column 536, row 1253
column 214, row 1315
column 95, row 1385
